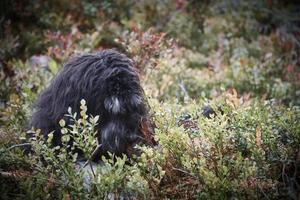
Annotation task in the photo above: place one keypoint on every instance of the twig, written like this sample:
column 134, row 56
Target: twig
column 6, row 174
column 182, row 87
column 93, row 156
column 262, row 191
column 15, row 174
column 17, row 145
column 92, row 169
column 185, row 172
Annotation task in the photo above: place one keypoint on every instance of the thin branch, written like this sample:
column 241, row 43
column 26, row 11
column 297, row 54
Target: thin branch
column 15, row 174
column 183, row 171
column 17, row 145
column 92, row 169
column 94, row 154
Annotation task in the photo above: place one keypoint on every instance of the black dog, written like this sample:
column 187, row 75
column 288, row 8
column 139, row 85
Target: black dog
column 110, row 84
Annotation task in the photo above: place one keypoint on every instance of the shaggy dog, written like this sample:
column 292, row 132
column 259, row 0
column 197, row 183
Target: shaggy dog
column 110, row 85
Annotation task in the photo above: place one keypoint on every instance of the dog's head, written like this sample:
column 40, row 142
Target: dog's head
column 126, row 124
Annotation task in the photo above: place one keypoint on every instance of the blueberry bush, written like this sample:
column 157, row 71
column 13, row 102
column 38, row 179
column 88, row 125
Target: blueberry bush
column 239, row 57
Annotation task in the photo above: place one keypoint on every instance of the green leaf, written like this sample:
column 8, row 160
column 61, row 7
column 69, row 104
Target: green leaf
column 62, row 123
column 53, row 67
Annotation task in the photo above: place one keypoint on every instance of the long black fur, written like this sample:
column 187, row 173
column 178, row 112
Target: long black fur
column 110, row 84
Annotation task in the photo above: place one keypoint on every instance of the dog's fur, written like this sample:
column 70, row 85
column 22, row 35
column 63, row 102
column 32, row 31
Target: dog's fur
column 110, row 84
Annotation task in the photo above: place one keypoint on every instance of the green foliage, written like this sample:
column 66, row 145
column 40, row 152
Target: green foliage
column 231, row 152
column 240, row 57
column 55, row 170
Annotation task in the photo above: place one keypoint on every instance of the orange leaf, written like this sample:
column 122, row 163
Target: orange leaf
column 146, row 127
